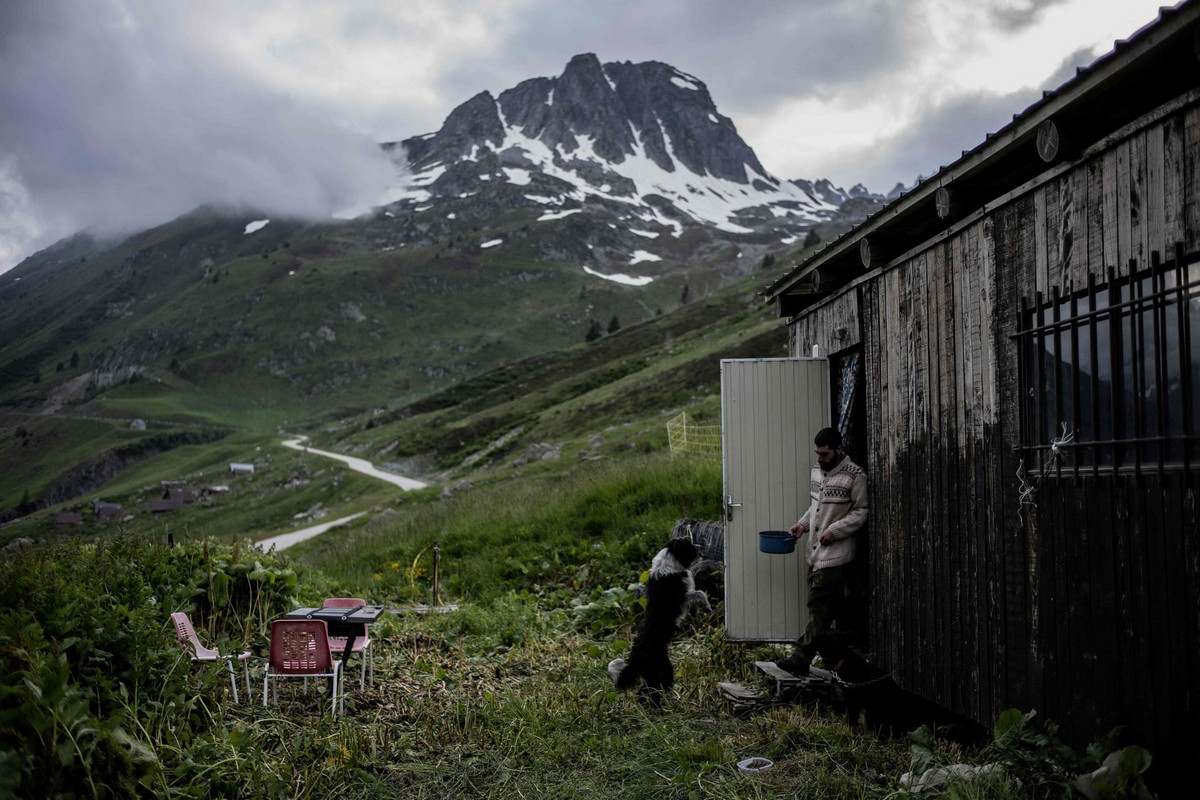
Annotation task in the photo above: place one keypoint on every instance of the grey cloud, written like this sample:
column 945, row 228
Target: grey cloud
column 1015, row 15
column 113, row 119
column 937, row 140
column 1066, row 69
column 749, row 54
column 944, row 132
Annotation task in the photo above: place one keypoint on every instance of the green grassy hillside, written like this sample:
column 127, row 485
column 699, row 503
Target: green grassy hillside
column 604, row 399
column 617, row 388
column 306, row 319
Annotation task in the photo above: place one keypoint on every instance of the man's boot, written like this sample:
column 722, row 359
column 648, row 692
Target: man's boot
column 797, row 664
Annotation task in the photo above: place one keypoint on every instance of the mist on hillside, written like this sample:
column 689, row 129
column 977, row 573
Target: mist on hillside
column 113, row 118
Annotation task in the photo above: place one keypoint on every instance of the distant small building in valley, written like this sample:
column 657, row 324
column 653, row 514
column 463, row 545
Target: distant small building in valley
column 173, row 499
column 104, row 510
column 180, row 494
column 161, row 505
column 241, row 469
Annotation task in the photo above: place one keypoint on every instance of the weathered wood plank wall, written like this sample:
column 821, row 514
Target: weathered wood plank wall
column 1083, row 604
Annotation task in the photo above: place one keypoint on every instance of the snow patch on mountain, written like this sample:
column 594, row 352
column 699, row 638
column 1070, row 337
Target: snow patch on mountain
column 558, row 214
column 518, row 177
column 608, row 78
column 617, row 277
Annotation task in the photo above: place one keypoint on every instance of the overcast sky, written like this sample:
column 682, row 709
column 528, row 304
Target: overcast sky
column 120, row 114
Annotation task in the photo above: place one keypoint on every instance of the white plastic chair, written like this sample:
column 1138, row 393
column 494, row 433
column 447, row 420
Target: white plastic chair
column 362, row 642
column 300, row 649
column 186, row 636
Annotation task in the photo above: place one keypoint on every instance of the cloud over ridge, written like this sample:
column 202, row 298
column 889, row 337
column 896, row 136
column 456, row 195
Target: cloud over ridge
column 113, row 118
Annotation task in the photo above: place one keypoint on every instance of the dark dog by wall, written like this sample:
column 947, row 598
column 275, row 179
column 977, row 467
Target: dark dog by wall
column 886, row 708
column 670, row 595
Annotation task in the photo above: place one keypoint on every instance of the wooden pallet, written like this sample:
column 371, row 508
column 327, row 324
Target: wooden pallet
column 741, row 698
column 784, row 680
column 819, row 681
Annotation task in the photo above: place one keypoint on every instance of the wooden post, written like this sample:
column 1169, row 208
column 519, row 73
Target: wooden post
column 437, row 558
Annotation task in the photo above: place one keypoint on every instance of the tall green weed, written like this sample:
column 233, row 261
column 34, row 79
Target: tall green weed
column 93, row 688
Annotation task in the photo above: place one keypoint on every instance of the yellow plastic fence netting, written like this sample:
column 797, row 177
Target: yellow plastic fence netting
column 692, row 439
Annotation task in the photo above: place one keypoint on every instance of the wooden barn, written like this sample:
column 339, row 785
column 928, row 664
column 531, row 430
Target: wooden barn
column 104, row 510
column 1014, row 351
column 173, row 499
column 166, row 505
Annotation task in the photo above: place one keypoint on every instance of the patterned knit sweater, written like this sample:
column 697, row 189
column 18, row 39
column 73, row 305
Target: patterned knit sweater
column 839, row 505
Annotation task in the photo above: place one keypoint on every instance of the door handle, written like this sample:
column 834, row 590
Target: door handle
column 729, row 507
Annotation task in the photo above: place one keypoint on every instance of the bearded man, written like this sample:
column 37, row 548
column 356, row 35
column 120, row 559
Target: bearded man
column 838, row 509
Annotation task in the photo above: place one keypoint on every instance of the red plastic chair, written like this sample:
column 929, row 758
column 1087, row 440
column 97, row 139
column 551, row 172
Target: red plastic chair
column 300, row 649
column 186, row 636
column 362, row 642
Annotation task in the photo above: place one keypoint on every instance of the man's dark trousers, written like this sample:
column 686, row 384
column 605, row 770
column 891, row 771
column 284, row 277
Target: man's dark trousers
column 826, row 592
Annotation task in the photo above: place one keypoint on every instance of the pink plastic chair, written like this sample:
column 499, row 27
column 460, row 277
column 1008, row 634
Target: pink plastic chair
column 186, row 636
column 300, row 649
column 362, row 642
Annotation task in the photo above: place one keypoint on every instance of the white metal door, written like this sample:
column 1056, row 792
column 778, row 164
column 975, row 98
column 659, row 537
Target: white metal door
column 770, row 410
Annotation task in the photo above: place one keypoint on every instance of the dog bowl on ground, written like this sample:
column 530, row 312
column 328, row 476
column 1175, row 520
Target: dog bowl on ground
column 776, row 542
column 755, row 765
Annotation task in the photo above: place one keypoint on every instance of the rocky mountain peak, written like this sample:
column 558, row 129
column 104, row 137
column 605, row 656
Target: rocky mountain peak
column 647, row 137
column 585, row 104
column 614, row 111
column 584, row 73
column 474, row 123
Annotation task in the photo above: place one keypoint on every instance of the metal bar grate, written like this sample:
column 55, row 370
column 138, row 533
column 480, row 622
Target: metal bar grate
column 1137, row 328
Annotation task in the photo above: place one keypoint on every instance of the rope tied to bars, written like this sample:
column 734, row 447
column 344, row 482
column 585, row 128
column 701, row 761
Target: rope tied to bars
column 1027, row 489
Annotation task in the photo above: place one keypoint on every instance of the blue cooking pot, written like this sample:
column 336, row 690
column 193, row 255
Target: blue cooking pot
column 776, row 542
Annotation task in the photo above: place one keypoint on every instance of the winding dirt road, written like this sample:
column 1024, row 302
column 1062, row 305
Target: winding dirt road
column 286, row 540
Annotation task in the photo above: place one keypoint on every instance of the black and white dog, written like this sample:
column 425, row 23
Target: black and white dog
column 670, row 595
